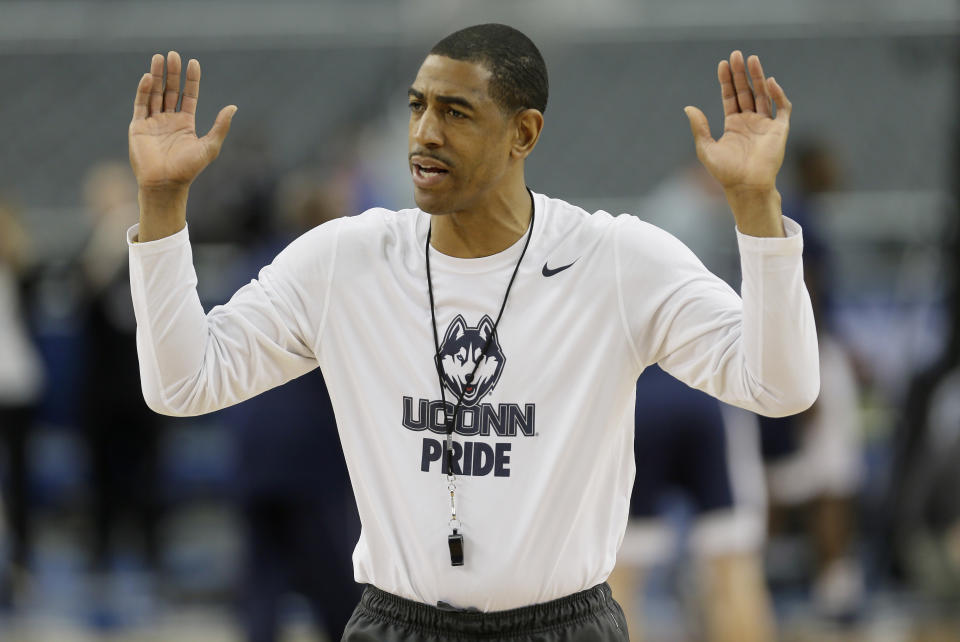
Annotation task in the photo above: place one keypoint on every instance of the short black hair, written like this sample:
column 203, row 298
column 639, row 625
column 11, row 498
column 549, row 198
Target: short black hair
column 519, row 73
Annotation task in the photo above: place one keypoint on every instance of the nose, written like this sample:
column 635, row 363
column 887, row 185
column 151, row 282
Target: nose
column 427, row 130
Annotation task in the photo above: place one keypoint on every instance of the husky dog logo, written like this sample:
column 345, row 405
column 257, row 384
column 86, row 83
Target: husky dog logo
column 462, row 347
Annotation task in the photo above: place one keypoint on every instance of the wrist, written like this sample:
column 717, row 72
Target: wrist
column 756, row 210
column 163, row 211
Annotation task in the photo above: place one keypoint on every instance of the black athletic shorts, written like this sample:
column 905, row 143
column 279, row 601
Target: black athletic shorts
column 587, row 616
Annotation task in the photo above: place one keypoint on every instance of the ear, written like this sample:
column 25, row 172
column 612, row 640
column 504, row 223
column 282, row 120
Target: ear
column 485, row 327
column 457, row 328
column 527, row 124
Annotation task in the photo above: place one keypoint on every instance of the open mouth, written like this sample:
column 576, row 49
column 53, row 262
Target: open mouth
column 423, row 169
column 428, row 176
column 427, row 172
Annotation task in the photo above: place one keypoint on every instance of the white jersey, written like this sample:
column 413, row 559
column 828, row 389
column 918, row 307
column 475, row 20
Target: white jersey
column 21, row 368
column 544, row 453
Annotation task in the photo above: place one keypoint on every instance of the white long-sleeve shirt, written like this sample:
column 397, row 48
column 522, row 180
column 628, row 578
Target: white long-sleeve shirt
column 544, row 451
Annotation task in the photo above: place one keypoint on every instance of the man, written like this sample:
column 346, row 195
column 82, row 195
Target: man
column 480, row 351
column 21, row 389
column 293, row 490
column 683, row 449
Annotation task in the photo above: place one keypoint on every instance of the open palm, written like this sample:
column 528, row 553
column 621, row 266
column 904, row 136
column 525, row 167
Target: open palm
column 750, row 151
column 164, row 148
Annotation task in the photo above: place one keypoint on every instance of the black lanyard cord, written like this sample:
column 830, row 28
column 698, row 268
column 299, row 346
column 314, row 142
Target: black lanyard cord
column 450, row 421
column 455, row 539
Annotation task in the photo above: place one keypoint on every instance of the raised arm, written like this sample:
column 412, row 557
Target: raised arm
column 759, row 350
column 165, row 152
column 192, row 362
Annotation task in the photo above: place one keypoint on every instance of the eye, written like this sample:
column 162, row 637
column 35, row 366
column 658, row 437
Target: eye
column 456, row 114
column 416, row 106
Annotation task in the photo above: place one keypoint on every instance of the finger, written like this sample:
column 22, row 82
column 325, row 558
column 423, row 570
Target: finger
column 727, row 92
column 784, row 106
column 141, row 102
column 156, row 89
column 171, row 94
column 191, row 87
column 221, row 126
column 699, row 127
column 744, row 93
column 760, row 94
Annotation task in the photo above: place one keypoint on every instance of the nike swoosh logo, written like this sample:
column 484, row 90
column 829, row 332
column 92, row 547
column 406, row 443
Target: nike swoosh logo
column 548, row 272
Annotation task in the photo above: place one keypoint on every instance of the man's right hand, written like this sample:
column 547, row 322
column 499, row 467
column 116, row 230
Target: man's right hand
column 165, row 152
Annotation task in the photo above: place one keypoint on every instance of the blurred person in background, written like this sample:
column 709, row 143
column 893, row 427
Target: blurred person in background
column 292, row 484
column 682, row 443
column 923, row 502
column 21, row 386
column 121, row 433
column 814, row 459
column 690, row 204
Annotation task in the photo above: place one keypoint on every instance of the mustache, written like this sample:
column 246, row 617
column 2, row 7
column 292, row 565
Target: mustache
column 425, row 154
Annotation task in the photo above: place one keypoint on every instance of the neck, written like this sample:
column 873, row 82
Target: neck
column 484, row 230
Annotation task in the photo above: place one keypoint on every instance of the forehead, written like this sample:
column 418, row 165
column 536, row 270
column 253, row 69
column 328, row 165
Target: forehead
column 444, row 76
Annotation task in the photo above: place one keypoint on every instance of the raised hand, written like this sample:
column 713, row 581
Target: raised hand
column 165, row 152
column 748, row 156
column 750, row 151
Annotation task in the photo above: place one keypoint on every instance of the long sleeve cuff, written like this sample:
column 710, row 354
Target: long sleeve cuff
column 150, row 247
column 791, row 244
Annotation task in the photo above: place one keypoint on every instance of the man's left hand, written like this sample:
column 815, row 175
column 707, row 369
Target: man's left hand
column 746, row 158
column 750, row 152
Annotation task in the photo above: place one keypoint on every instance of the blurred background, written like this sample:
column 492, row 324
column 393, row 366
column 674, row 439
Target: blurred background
column 118, row 524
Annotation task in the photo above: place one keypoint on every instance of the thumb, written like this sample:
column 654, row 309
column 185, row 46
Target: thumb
column 699, row 127
column 221, row 126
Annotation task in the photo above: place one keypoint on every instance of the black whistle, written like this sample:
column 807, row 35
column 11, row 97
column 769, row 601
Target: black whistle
column 455, row 542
